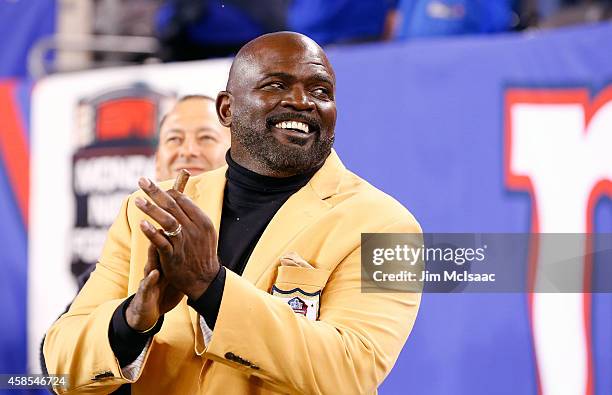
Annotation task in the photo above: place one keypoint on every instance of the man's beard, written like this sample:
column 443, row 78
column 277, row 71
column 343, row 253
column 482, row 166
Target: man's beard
column 267, row 150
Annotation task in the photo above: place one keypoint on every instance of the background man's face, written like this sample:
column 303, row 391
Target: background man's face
column 191, row 138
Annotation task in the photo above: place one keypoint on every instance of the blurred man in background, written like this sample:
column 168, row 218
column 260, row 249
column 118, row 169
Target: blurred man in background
column 191, row 138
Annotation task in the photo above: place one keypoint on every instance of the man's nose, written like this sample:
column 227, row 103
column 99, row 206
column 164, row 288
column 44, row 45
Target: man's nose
column 189, row 148
column 298, row 99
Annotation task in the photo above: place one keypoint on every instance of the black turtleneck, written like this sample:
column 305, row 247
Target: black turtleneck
column 250, row 200
column 249, row 203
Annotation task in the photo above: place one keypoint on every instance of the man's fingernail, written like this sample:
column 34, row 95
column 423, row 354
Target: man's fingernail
column 140, row 202
column 144, row 182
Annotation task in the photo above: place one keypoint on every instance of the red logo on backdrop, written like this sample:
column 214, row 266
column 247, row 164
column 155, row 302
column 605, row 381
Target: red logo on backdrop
column 115, row 116
column 126, row 117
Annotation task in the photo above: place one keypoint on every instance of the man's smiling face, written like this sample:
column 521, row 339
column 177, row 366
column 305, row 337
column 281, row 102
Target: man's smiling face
column 283, row 110
column 191, row 138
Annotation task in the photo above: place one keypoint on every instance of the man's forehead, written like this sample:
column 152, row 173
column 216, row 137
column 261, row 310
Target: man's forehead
column 290, row 50
column 289, row 42
column 192, row 110
column 284, row 64
column 277, row 53
column 279, row 62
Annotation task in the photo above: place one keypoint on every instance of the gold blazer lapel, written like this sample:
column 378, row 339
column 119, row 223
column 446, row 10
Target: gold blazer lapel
column 208, row 195
column 299, row 211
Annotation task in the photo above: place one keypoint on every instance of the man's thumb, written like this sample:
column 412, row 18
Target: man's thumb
column 149, row 282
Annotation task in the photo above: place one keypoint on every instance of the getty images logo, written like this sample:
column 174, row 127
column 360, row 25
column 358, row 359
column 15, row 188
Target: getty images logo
column 558, row 147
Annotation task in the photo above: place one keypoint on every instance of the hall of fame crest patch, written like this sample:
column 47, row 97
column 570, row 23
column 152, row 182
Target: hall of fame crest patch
column 300, row 301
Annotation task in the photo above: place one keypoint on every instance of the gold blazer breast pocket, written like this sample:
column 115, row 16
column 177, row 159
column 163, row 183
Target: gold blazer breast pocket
column 299, row 284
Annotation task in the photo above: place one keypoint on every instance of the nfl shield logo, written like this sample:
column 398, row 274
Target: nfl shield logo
column 301, row 302
column 298, row 306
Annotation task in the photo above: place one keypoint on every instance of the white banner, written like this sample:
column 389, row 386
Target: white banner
column 91, row 138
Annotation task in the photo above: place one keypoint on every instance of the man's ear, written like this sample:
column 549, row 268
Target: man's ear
column 224, row 108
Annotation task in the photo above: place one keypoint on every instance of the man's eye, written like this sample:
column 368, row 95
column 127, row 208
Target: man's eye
column 173, row 140
column 275, row 85
column 321, row 92
column 207, row 138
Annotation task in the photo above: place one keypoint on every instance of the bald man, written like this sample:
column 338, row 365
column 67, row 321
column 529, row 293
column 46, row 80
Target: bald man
column 249, row 281
column 191, row 138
